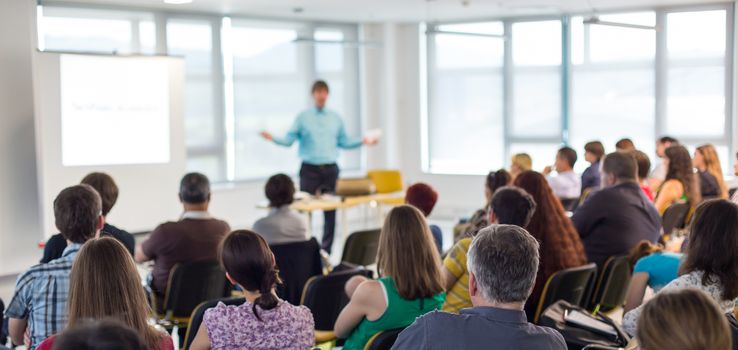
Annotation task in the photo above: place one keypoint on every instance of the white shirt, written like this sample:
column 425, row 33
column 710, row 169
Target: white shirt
column 659, row 172
column 566, row 184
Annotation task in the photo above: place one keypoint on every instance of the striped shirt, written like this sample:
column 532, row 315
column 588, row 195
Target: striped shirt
column 41, row 296
column 457, row 297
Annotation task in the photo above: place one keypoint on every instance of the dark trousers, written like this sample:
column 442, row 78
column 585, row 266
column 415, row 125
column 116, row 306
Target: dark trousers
column 316, row 179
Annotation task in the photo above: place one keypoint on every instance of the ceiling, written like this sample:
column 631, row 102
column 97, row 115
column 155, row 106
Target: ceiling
column 392, row 10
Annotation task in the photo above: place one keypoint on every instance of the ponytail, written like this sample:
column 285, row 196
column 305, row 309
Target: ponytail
column 267, row 300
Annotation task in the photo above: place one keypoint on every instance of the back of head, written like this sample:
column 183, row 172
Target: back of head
column 408, row 255
column 76, row 212
column 105, row 187
column 686, row 319
column 596, row 148
column 712, row 164
column 642, row 249
column 713, row 245
column 568, row 154
column 100, row 335
column 625, row 145
column 497, row 179
column 104, row 283
column 668, row 139
column 681, row 169
column 422, row 196
column 621, row 165
column 280, row 190
column 504, row 260
column 194, row 188
column 522, row 161
column 643, row 162
column 513, row 206
column 246, row 257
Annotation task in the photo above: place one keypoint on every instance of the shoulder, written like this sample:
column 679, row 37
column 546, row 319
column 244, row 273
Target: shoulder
column 300, row 313
column 554, row 339
column 47, row 344
column 689, row 280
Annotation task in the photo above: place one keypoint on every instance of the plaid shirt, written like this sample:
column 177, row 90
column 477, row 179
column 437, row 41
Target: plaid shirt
column 41, row 296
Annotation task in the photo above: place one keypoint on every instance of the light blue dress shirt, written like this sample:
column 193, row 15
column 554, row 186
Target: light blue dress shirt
column 321, row 133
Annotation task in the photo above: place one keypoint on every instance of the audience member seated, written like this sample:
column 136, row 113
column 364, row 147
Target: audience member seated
column 520, row 162
column 683, row 320
column 566, row 184
column 625, row 145
column 39, row 307
column 652, row 267
column 509, row 205
column 644, row 167
column 108, row 191
column 710, row 264
column 503, row 263
column 712, row 184
column 282, row 224
column 410, row 285
column 100, row 335
column 561, row 247
column 424, row 197
column 263, row 321
column 195, row 237
column 658, row 175
column 593, row 153
column 480, row 219
column 681, row 184
column 613, row 220
column 104, row 284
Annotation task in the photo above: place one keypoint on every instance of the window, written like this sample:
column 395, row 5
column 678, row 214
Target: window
column 466, row 98
column 233, row 90
column 638, row 75
column 613, row 83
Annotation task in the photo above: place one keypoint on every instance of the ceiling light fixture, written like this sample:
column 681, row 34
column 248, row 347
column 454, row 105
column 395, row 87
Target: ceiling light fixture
column 177, row 2
column 596, row 21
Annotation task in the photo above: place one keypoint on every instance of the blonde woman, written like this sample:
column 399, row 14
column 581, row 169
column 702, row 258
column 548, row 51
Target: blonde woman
column 520, row 162
column 683, row 320
column 104, row 284
column 410, row 285
column 712, row 184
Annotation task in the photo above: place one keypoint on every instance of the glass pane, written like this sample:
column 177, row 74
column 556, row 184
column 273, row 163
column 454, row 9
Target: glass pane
column 492, row 28
column 537, row 43
column 147, row 36
column 76, row 34
column 466, row 128
column 329, row 56
column 696, row 93
column 542, row 118
column 200, row 122
column 209, row 165
column 606, row 43
column 624, row 107
column 465, row 52
column 542, row 154
column 696, row 34
column 193, row 40
column 270, row 51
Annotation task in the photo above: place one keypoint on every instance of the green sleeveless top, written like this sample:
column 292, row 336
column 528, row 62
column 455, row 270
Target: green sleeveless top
column 400, row 313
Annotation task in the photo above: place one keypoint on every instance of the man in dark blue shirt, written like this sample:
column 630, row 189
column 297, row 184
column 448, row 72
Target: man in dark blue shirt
column 614, row 219
column 503, row 262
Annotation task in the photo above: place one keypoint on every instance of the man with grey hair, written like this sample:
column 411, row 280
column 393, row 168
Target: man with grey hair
column 503, row 262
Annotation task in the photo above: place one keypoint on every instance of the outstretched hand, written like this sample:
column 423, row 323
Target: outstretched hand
column 370, row 141
column 266, row 135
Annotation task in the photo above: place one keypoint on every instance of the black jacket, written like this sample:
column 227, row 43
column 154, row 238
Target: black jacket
column 57, row 243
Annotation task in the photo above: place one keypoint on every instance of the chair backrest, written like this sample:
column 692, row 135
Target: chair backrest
column 325, row 296
column 191, row 284
column 568, row 284
column 199, row 312
column 612, row 283
column 361, row 247
column 383, row 340
column 675, row 217
column 297, row 262
column 386, row 181
column 600, row 347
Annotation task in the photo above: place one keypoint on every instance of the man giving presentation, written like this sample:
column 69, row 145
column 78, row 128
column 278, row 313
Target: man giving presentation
column 321, row 133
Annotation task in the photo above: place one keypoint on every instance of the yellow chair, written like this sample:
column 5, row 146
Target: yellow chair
column 386, row 181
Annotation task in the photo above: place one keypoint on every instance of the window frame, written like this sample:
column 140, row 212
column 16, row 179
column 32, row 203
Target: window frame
column 660, row 80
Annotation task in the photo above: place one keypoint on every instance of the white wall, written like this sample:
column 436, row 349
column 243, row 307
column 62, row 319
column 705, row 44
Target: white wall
column 20, row 226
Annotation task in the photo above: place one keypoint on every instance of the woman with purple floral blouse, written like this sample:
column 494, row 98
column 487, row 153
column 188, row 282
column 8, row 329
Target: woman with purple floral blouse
column 263, row 322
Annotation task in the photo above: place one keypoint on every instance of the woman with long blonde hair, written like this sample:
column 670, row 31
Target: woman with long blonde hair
column 410, row 284
column 104, row 284
column 712, row 183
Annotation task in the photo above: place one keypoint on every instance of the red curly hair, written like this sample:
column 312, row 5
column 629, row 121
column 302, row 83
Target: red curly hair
column 561, row 247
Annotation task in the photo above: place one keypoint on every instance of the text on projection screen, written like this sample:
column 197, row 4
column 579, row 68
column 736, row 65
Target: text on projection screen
column 114, row 110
